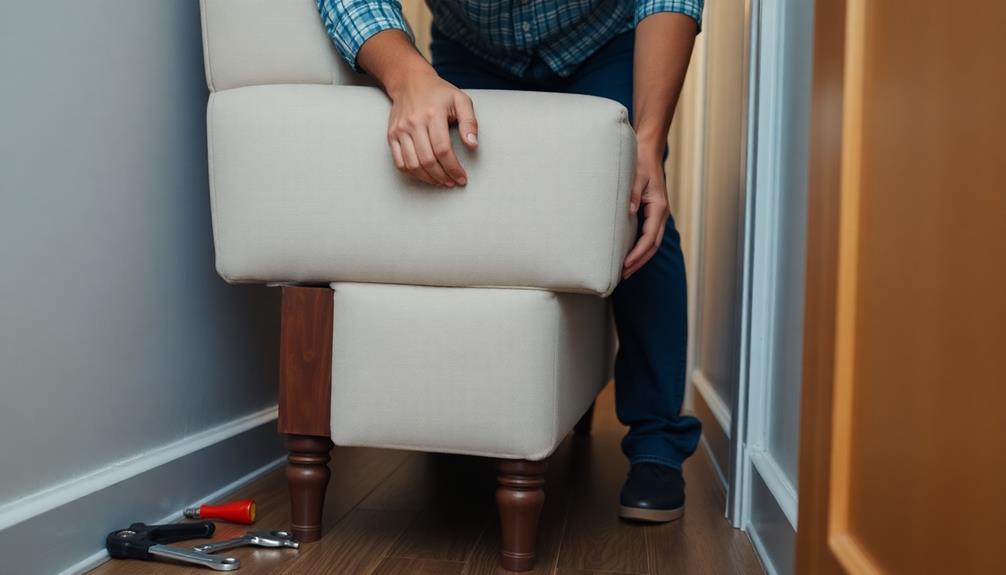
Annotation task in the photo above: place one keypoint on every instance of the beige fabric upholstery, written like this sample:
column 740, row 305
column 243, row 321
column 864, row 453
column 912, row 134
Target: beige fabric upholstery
column 254, row 42
column 492, row 372
column 304, row 190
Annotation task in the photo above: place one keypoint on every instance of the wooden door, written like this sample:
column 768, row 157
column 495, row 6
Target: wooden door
column 903, row 447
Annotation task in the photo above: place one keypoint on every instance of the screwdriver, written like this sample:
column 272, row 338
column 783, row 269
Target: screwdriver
column 241, row 511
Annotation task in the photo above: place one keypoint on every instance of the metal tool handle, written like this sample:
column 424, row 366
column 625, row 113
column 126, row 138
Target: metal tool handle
column 135, row 541
column 171, row 532
column 258, row 538
column 215, row 562
column 225, row 544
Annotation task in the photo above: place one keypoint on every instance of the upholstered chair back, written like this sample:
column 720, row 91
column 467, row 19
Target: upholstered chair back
column 256, row 42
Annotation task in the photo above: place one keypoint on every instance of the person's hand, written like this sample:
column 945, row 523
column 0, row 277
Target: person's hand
column 423, row 107
column 649, row 192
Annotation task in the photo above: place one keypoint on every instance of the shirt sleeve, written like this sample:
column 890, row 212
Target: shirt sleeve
column 350, row 23
column 691, row 8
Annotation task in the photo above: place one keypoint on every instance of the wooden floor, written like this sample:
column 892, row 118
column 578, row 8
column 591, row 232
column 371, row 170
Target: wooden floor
column 400, row 513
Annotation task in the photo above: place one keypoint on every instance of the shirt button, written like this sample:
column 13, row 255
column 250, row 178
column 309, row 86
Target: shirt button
column 525, row 26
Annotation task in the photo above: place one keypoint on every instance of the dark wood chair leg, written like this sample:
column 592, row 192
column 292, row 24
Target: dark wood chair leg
column 307, row 474
column 305, row 385
column 520, row 498
column 586, row 422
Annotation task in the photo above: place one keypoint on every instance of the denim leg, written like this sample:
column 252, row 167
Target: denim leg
column 650, row 308
column 651, row 315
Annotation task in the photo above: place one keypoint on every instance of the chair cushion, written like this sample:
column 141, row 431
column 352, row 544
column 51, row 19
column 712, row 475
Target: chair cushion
column 304, row 190
column 254, row 42
column 492, row 372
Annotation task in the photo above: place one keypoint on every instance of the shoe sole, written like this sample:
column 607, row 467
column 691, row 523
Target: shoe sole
column 650, row 515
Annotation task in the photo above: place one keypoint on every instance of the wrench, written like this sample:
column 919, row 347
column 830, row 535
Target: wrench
column 142, row 541
column 257, row 538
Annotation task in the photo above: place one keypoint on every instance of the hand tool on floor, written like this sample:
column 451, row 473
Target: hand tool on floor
column 142, row 541
column 241, row 511
column 257, row 538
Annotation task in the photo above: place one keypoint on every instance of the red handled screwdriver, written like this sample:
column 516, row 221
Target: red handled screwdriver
column 241, row 511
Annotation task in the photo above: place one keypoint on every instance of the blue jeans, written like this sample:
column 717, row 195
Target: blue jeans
column 651, row 307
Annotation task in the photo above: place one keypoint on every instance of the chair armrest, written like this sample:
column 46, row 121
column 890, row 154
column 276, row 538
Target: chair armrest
column 304, row 190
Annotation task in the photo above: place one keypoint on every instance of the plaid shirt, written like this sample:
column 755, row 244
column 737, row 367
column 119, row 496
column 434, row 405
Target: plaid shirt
column 508, row 33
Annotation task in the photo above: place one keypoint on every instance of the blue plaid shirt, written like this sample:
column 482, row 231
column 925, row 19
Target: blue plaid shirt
column 508, row 33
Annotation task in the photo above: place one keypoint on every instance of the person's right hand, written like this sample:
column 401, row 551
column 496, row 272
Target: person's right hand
column 423, row 107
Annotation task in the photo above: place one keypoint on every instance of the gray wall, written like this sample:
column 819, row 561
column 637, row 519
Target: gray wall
column 116, row 336
column 723, row 196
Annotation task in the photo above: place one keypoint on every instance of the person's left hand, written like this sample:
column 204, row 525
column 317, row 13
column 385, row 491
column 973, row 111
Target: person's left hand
column 649, row 192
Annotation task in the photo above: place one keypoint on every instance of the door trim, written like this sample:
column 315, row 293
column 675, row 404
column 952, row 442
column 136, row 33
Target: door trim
column 846, row 548
column 820, row 296
column 765, row 503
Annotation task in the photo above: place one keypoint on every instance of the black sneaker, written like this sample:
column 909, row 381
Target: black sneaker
column 654, row 493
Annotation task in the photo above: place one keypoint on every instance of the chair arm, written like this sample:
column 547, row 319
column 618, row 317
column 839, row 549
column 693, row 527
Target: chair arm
column 304, row 190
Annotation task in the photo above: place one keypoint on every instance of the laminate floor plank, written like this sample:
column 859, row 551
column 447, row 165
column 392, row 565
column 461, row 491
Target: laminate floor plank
column 703, row 541
column 355, row 473
column 458, row 506
column 407, row 488
column 403, row 566
column 596, row 539
column 586, row 572
column 485, row 558
column 395, row 513
column 357, row 544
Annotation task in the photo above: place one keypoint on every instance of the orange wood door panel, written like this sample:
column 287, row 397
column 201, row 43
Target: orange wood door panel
column 914, row 479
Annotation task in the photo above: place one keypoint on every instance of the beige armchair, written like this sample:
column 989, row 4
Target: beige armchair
column 468, row 320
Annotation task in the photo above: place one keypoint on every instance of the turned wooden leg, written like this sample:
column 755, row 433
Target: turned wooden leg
column 520, row 498
column 305, row 384
column 586, row 422
column 307, row 474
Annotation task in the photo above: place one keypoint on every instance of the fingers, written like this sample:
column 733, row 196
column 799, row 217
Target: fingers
column 655, row 214
column 656, row 248
column 468, row 127
column 419, row 131
column 440, row 140
column 421, row 146
column 412, row 163
column 643, row 248
column 638, row 184
column 429, row 161
column 396, row 154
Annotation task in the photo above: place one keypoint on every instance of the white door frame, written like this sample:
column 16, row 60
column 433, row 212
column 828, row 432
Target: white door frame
column 745, row 421
column 761, row 248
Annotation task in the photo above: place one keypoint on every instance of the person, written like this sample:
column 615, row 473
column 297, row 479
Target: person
column 633, row 52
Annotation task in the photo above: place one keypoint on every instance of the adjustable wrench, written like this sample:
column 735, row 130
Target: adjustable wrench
column 257, row 538
column 142, row 541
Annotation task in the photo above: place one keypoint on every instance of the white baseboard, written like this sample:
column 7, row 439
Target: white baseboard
column 62, row 529
column 703, row 444
column 716, row 405
column 777, row 483
column 771, row 531
column 716, row 433
column 761, row 551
